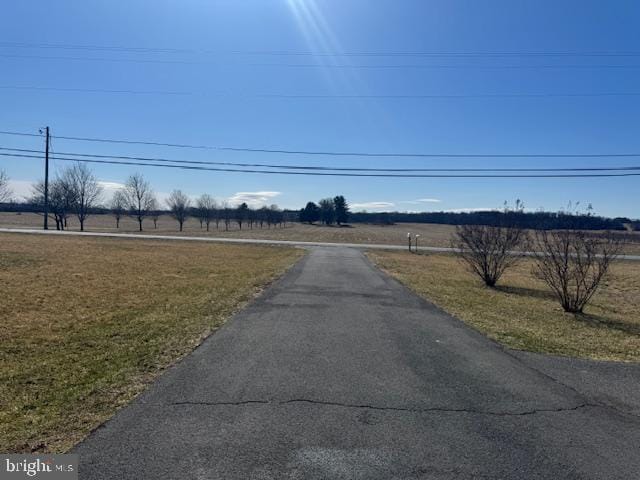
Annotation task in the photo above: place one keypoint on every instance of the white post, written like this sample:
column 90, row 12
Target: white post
column 409, row 240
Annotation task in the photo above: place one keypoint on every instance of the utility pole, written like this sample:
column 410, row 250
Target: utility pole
column 46, row 180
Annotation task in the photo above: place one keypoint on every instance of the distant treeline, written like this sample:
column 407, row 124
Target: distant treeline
column 533, row 220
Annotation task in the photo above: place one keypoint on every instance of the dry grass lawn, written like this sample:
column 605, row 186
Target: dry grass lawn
column 433, row 235
column 87, row 323
column 521, row 313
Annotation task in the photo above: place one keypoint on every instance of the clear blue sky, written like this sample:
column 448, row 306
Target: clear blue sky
column 223, row 106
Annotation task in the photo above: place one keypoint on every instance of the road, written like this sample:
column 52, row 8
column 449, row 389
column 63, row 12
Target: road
column 256, row 241
column 339, row 372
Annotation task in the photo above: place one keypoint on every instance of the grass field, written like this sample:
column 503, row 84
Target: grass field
column 433, row 235
column 436, row 235
column 88, row 323
column 521, row 313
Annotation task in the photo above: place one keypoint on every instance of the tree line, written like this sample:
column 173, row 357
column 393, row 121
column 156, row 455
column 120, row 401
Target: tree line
column 328, row 211
column 76, row 191
column 530, row 220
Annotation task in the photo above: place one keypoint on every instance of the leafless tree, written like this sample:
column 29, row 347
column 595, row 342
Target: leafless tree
column 118, row 206
column 227, row 213
column 242, row 214
column 573, row 264
column 139, row 197
column 206, row 206
column 179, row 205
column 61, row 199
column 488, row 250
column 5, row 191
column 154, row 212
column 86, row 191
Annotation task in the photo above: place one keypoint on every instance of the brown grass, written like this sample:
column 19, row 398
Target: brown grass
column 433, row 235
column 436, row 235
column 88, row 323
column 521, row 313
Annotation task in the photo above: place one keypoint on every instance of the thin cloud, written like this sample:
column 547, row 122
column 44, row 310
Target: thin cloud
column 422, row 200
column 372, row 205
column 253, row 199
column 20, row 189
column 109, row 188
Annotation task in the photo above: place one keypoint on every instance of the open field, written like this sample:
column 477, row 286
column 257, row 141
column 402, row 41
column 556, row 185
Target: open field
column 433, row 235
column 87, row 323
column 521, row 313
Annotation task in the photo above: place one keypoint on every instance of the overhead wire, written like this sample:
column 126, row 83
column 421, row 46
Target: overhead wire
column 331, row 153
column 330, row 174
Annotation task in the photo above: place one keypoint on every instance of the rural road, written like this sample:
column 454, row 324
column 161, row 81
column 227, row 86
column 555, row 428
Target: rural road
column 339, row 372
column 254, row 241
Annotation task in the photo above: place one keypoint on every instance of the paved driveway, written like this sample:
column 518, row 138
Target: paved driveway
column 339, row 372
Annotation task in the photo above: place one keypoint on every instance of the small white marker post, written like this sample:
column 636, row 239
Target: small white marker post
column 409, row 240
column 417, row 236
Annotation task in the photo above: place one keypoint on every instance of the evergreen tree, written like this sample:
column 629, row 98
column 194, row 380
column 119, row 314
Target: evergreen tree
column 327, row 211
column 310, row 213
column 342, row 209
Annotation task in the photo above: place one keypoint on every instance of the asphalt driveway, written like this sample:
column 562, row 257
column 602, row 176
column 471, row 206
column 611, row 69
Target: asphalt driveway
column 339, row 372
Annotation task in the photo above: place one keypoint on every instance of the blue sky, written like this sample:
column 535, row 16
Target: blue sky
column 220, row 78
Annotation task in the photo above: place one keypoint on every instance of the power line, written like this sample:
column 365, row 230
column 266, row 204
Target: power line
column 319, row 65
column 166, row 50
column 332, row 153
column 325, row 168
column 93, row 90
column 326, row 96
column 454, row 96
column 378, row 175
column 436, row 67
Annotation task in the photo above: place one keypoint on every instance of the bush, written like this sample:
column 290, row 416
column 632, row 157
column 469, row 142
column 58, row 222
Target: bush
column 488, row 251
column 573, row 264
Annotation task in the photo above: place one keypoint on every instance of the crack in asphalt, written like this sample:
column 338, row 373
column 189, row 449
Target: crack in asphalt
column 396, row 409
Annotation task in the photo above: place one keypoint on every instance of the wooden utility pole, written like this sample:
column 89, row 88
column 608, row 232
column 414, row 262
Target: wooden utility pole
column 46, row 180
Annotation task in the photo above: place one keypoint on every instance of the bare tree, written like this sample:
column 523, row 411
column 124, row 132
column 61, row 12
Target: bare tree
column 86, row 191
column 275, row 215
column 573, row 264
column 242, row 213
column 61, row 198
column 487, row 250
column 139, row 197
column 179, row 204
column 206, row 207
column 5, row 191
column 118, row 206
column 227, row 213
column 154, row 211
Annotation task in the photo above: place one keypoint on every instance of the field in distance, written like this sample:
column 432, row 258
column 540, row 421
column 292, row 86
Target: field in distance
column 88, row 322
column 433, row 235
